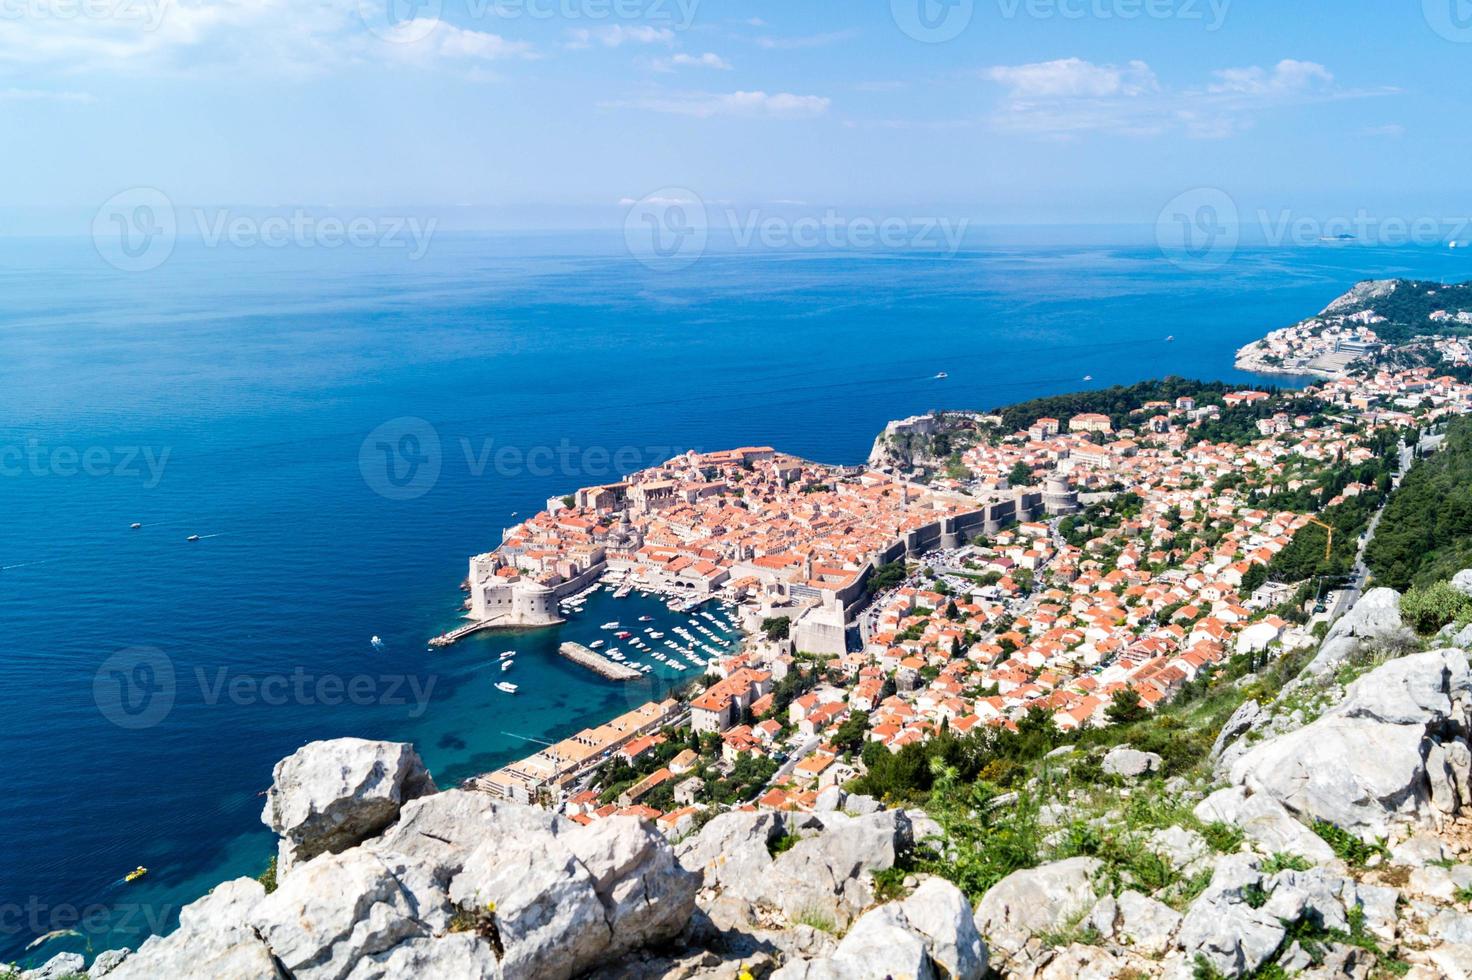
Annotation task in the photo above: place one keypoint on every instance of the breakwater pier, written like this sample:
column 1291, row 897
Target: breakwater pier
column 597, row 663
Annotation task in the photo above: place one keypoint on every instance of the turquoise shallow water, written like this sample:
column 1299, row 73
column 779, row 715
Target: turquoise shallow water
column 540, row 364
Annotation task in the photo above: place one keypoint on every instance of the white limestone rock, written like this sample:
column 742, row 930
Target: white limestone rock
column 940, row 914
column 647, row 897
column 1144, row 924
column 1035, row 900
column 1462, row 581
column 1265, row 821
column 330, row 795
column 60, row 965
column 825, row 873
column 732, row 850
column 214, row 941
column 321, row 921
column 459, row 956
column 1130, row 763
column 547, row 911
column 107, row 961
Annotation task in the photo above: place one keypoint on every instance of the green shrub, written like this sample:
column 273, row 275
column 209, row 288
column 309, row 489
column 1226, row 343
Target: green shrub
column 1427, row 610
column 1224, row 838
column 1285, row 862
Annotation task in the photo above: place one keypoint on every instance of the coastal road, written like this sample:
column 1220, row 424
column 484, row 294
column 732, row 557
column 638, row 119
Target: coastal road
column 1360, row 573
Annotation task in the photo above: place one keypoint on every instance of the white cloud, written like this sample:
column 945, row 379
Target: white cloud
column 805, row 41
column 1388, row 131
column 1287, row 77
column 708, row 60
column 1075, row 78
column 617, row 35
column 1069, row 97
column 702, row 105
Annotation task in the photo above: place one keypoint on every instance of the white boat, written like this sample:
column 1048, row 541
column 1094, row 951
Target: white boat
column 595, row 644
column 656, row 635
column 507, row 664
column 135, row 526
column 377, row 642
column 609, row 626
column 646, row 619
column 506, row 686
column 507, row 654
column 192, row 537
column 1088, row 377
column 941, row 375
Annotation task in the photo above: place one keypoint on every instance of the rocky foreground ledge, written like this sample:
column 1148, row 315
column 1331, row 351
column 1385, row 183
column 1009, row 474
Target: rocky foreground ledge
column 1326, row 841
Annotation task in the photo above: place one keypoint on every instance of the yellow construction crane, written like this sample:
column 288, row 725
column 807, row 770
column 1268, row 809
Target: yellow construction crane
column 1329, row 544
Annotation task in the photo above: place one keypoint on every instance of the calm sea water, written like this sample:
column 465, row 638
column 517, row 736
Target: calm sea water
column 539, row 364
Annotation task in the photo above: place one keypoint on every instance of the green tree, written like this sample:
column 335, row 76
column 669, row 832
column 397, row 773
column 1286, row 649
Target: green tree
column 1125, row 707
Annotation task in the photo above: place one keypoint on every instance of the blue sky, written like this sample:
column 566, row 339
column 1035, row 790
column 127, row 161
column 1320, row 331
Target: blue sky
column 558, row 110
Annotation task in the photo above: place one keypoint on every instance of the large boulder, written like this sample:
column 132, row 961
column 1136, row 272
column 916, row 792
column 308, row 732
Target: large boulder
column 647, row 897
column 544, row 903
column 1378, row 758
column 214, row 940
column 1373, row 622
column 1225, row 929
column 330, row 795
column 1035, row 900
column 1265, row 821
column 1462, row 581
column 882, row 945
column 444, row 828
column 940, row 914
column 1248, row 715
column 59, row 967
column 335, row 911
column 824, row 873
column 1130, row 763
column 732, row 851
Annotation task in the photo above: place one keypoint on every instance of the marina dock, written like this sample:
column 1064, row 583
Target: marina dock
column 456, row 635
column 597, row 663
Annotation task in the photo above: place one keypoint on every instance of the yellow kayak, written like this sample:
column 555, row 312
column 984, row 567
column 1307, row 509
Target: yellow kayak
column 136, row 873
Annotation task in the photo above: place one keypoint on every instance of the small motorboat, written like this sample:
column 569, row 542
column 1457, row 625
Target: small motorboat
column 642, row 619
column 506, row 687
column 135, row 526
column 941, row 376
column 377, row 642
column 1171, row 339
column 507, row 654
column 595, row 644
column 507, row 664
column 192, row 537
column 1088, row 377
column 610, row 626
column 623, row 634
column 135, row 874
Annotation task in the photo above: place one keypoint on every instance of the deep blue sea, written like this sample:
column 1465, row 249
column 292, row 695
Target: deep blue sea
column 248, row 396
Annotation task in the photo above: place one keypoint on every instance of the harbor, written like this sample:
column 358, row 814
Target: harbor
column 597, row 663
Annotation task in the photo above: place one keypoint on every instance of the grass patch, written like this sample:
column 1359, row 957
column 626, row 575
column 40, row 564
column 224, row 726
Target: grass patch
column 1285, row 862
column 817, row 919
column 1224, row 838
column 1346, row 846
column 268, row 877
